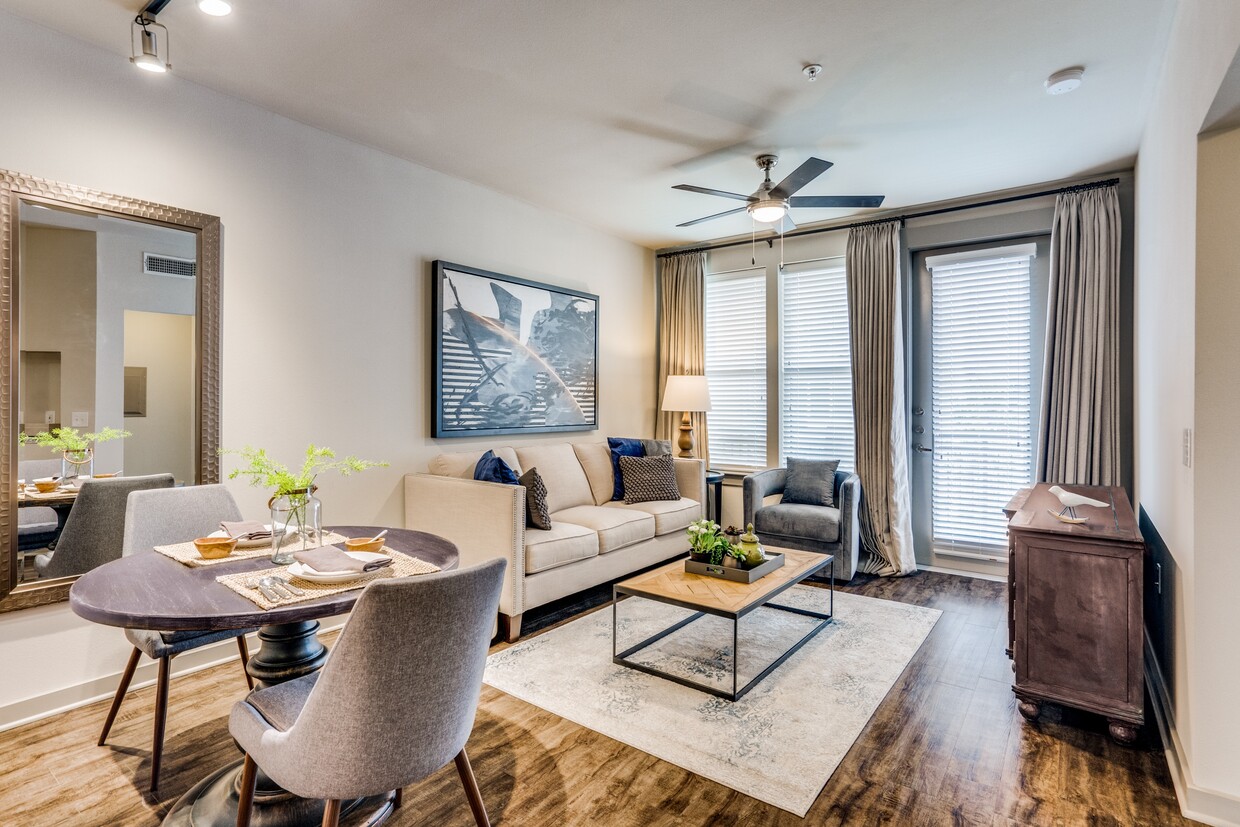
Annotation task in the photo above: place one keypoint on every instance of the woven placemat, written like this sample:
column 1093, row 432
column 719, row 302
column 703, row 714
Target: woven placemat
column 243, row 582
column 187, row 553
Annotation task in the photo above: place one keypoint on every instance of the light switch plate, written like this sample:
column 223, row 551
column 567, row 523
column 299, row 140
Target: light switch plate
column 1188, row 448
column 49, row 417
column 81, row 419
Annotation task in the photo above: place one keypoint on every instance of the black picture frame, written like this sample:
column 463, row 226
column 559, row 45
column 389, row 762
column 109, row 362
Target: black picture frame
column 511, row 355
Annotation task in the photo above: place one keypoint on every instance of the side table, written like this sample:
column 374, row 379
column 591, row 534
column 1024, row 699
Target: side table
column 715, row 479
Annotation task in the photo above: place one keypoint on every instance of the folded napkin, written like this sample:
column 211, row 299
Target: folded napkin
column 330, row 558
column 245, row 529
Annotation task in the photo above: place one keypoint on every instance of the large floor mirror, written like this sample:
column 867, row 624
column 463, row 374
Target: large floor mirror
column 111, row 307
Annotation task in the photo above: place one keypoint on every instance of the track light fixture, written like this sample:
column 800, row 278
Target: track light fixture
column 146, row 50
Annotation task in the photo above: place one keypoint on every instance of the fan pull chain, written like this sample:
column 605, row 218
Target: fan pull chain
column 781, row 245
column 753, row 236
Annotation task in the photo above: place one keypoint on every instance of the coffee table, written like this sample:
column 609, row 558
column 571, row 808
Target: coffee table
column 704, row 595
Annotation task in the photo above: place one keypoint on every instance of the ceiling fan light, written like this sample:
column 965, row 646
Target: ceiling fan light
column 215, row 8
column 768, row 211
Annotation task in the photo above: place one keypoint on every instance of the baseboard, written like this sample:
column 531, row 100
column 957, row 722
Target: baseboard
column 979, row 575
column 1207, row 806
column 28, row 710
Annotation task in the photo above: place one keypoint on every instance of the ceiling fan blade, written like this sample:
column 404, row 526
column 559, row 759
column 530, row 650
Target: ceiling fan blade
column 707, row 191
column 799, row 177
column 710, row 217
column 785, row 224
column 836, row 201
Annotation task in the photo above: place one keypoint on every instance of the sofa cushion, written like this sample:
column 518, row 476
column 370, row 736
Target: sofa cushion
column 491, row 468
column 622, row 447
column 616, row 527
column 559, row 467
column 560, row 545
column 595, row 458
column 805, row 522
column 461, row 463
column 669, row 515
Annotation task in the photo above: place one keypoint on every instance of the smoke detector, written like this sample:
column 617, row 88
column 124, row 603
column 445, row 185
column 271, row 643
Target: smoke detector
column 1065, row 80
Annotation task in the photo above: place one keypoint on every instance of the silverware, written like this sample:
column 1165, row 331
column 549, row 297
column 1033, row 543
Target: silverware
column 276, row 586
column 288, row 586
column 262, row 586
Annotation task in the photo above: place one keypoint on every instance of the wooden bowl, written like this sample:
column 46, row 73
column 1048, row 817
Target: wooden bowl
column 215, row 548
column 46, row 486
column 363, row 544
column 105, row 476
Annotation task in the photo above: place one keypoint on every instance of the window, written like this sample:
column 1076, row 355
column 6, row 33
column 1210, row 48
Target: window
column 981, row 390
column 816, row 415
column 736, row 368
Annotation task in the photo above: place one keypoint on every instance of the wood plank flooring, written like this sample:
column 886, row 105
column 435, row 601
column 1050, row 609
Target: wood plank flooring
column 946, row 747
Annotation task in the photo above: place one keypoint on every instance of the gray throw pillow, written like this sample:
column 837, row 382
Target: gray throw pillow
column 536, row 513
column 657, row 447
column 811, row 482
column 648, row 479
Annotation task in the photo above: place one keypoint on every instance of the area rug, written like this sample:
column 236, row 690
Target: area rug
column 781, row 742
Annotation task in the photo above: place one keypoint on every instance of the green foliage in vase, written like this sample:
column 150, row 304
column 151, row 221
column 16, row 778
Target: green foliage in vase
column 706, row 538
column 265, row 472
column 69, row 441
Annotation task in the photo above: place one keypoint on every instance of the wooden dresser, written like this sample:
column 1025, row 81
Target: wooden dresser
column 1075, row 620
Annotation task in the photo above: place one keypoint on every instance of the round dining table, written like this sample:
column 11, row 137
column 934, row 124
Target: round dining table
column 148, row 590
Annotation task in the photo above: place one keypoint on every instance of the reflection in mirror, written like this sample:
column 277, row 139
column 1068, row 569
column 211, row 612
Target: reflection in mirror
column 107, row 337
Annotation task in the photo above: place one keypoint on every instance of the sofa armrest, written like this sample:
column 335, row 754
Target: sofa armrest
column 691, row 479
column 484, row 519
column 848, row 499
column 760, row 485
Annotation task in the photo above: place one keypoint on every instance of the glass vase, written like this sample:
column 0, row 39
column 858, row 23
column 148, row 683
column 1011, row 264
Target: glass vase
column 296, row 524
column 77, row 463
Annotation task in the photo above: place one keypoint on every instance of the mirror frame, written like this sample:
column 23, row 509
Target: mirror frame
column 15, row 188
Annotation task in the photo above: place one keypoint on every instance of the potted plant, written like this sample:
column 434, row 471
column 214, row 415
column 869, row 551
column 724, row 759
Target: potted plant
column 296, row 514
column 706, row 542
column 77, row 451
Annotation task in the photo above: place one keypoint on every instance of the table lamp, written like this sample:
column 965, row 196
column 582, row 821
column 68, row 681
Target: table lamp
column 687, row 394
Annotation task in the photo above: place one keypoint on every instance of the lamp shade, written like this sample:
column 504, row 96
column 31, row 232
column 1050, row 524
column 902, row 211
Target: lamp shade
column 686, row 393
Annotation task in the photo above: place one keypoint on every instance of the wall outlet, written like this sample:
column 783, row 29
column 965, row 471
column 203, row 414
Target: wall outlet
column 1188, row 448
column 81, row 419
column 49, row 417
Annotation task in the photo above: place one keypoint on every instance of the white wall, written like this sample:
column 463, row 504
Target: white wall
column 326, row 255
column 164, row 439
column 1199, row 619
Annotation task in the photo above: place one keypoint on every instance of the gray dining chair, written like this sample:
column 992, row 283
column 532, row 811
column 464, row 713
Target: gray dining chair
column 394, row 702
column 95, row 530
column 36, row 524
column 165, row 517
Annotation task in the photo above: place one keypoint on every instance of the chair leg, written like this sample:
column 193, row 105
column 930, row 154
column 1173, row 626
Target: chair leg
column 397, row 797
column 331, row 813
column 161, row 718
column 245, row 795
column 471, row 789
column 120, row 694
column 245, row 660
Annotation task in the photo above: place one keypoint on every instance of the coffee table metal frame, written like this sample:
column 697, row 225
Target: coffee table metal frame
column 623, row 658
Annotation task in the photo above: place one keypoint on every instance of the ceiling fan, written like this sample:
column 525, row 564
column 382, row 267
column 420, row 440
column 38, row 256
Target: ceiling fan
column 770, row 202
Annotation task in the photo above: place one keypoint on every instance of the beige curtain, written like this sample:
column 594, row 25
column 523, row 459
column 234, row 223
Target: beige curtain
column 876, row 335
column 1079, row 441
column 682, row 339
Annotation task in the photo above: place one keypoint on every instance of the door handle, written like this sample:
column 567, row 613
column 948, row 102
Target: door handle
column 924, row 449
column 918, row 411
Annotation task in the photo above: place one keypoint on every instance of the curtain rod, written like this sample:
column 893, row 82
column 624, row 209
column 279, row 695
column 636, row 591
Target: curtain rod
column 1109, row 182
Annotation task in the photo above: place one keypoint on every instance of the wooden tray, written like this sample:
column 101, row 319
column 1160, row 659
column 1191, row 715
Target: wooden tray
column 736, row 575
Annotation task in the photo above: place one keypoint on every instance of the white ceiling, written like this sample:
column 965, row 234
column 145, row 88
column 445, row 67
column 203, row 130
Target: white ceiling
column 595, row 109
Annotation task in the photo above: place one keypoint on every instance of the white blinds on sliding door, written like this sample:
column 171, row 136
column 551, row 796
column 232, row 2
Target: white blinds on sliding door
column 983, row 447
column 736, row 368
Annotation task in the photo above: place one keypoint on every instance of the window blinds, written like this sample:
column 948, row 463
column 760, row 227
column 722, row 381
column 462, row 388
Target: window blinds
column 736, row 368
column 816, row 376
column 980, row 342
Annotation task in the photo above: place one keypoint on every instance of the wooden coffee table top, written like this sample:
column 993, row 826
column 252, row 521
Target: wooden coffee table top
column 672, row 584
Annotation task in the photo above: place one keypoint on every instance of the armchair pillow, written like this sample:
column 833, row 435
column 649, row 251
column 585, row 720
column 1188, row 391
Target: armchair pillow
column 622, row 447
column 536, row 512
column 649, row 479
column 810, row 482
column 491, row 468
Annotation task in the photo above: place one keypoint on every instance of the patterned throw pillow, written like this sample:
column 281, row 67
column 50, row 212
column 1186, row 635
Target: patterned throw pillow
column 811, row 482
column 622, row 447
column 536, row 513
column 491, row 468
column 647, row 479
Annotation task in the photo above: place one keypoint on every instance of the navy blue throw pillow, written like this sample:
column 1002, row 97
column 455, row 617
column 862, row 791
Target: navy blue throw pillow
column 622, row 447
column 493, row 469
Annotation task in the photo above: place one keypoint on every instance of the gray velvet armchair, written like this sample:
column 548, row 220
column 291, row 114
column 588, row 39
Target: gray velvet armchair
column 807, row 527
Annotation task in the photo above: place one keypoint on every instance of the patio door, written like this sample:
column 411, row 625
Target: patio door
column 978, row 321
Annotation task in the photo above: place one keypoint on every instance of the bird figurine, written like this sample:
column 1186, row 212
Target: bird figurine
column 1070, row 502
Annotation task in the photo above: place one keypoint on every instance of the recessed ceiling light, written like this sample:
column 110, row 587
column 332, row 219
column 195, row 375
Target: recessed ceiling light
column 1065, row 80
column 215, row 8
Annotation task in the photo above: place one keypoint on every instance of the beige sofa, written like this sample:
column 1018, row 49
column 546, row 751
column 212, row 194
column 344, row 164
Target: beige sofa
column 592, row 539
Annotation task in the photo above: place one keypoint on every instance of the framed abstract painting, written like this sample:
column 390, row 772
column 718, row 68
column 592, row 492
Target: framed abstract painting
column 511, row 356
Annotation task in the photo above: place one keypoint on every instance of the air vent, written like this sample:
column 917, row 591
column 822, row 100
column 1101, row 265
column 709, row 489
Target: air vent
column 157, row 265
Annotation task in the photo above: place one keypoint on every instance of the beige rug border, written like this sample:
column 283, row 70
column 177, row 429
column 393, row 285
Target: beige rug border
column 662, row 757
